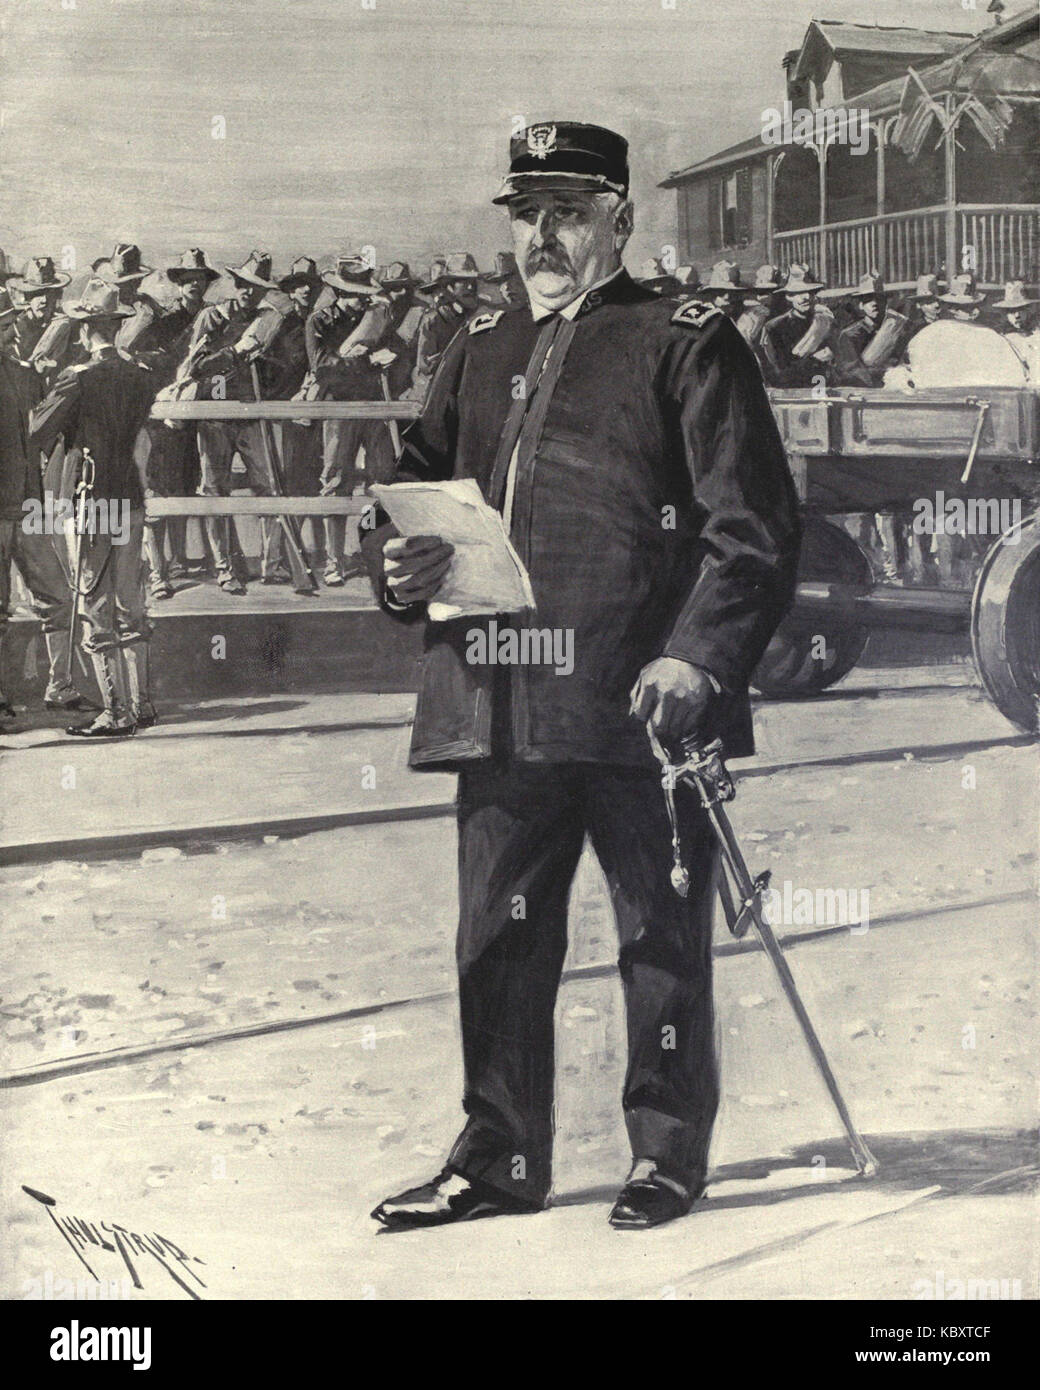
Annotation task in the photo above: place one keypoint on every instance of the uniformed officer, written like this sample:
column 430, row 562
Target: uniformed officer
column 796, row 345
column 98, row 408
column 25, row 543
column 212, row 361
column 157, row 337
column 642, row 479
column 340, row 337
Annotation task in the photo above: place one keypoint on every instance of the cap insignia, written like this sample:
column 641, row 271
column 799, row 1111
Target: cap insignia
column 541, row 140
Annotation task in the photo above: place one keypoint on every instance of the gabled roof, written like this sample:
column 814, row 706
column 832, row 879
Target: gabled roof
column 845, row 38
column 741, row 153
column 1014, row 75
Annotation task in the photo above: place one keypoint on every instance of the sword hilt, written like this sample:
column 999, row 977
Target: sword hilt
column 704, row 763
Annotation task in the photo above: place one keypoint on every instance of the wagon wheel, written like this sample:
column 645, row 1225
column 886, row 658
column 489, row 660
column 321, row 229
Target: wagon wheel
column 1005, row 623
column 793, row 663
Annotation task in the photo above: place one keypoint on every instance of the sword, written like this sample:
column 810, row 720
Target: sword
column 704, row 769
column 84, row 486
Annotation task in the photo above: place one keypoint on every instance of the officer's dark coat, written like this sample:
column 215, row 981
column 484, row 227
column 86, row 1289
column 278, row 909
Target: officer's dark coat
column 100, row 405
column 19, row 466
column 648, row 415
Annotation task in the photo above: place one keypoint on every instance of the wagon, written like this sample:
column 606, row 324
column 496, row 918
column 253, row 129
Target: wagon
column 855, row 451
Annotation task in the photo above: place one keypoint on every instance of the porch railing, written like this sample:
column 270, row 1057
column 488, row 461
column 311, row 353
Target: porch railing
column 902, row 245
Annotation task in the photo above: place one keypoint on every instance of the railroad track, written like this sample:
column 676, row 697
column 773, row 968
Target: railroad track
column 62, row 1068
column 126, row 843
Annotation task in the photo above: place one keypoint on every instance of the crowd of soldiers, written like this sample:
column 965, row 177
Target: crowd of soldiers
column 78, row 380
column 806, row 335
column 77, row 383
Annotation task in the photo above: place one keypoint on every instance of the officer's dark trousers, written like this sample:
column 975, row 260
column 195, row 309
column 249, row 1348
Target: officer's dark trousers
column 521, row 830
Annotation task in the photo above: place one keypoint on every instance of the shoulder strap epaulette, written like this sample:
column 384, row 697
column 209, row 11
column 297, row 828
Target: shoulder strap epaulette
column 480, row 322
column 694, row 315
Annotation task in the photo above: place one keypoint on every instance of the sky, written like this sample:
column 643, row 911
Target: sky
column 353, row 123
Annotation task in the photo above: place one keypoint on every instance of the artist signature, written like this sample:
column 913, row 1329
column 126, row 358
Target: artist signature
column 80, row 1233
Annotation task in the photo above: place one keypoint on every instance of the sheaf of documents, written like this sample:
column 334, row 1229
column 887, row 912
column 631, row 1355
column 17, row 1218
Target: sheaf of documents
column 486, row 574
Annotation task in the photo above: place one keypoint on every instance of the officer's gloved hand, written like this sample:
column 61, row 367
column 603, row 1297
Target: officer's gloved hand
column 675, row 698
column 414, row 567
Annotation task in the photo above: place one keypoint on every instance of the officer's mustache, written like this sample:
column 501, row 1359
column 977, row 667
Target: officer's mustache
column 552, row 258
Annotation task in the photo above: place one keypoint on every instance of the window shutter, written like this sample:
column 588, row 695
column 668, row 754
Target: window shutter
column 744, row 205
column 715, row 214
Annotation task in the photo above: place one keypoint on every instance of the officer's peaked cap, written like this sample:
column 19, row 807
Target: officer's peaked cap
column 565, row 154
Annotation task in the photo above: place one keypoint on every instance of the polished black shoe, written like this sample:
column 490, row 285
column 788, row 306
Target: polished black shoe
column 446, row 1198
column 648, row 1198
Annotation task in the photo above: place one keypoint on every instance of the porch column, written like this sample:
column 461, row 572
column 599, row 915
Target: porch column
column 880, row 238
column 950, row 160
column 771, row 162
column 821, row 155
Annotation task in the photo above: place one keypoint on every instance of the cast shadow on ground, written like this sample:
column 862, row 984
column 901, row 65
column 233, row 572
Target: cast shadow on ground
column 987, row 1161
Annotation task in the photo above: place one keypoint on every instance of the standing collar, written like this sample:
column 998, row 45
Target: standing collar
column 573, row 309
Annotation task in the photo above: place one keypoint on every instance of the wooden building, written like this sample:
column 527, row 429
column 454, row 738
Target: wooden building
column 943, row 172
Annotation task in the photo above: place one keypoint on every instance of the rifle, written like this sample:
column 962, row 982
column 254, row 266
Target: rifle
column 302, row 575
column 704, row 769
column 384, row 381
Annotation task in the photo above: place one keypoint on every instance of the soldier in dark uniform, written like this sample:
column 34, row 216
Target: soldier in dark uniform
column 25, row 544
column 98, row 408
column 724, row 289
column 402, row 334
column 759, row 307
column 788, row 358
column 340, row 337
column 924, row 307
column 41, row 339
column 645, row 487
column 211, row 361
column 507, row 279
column 886, row 331
column 455, row 298
column 157, row 338
column 125, row 269
column 276, row 342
